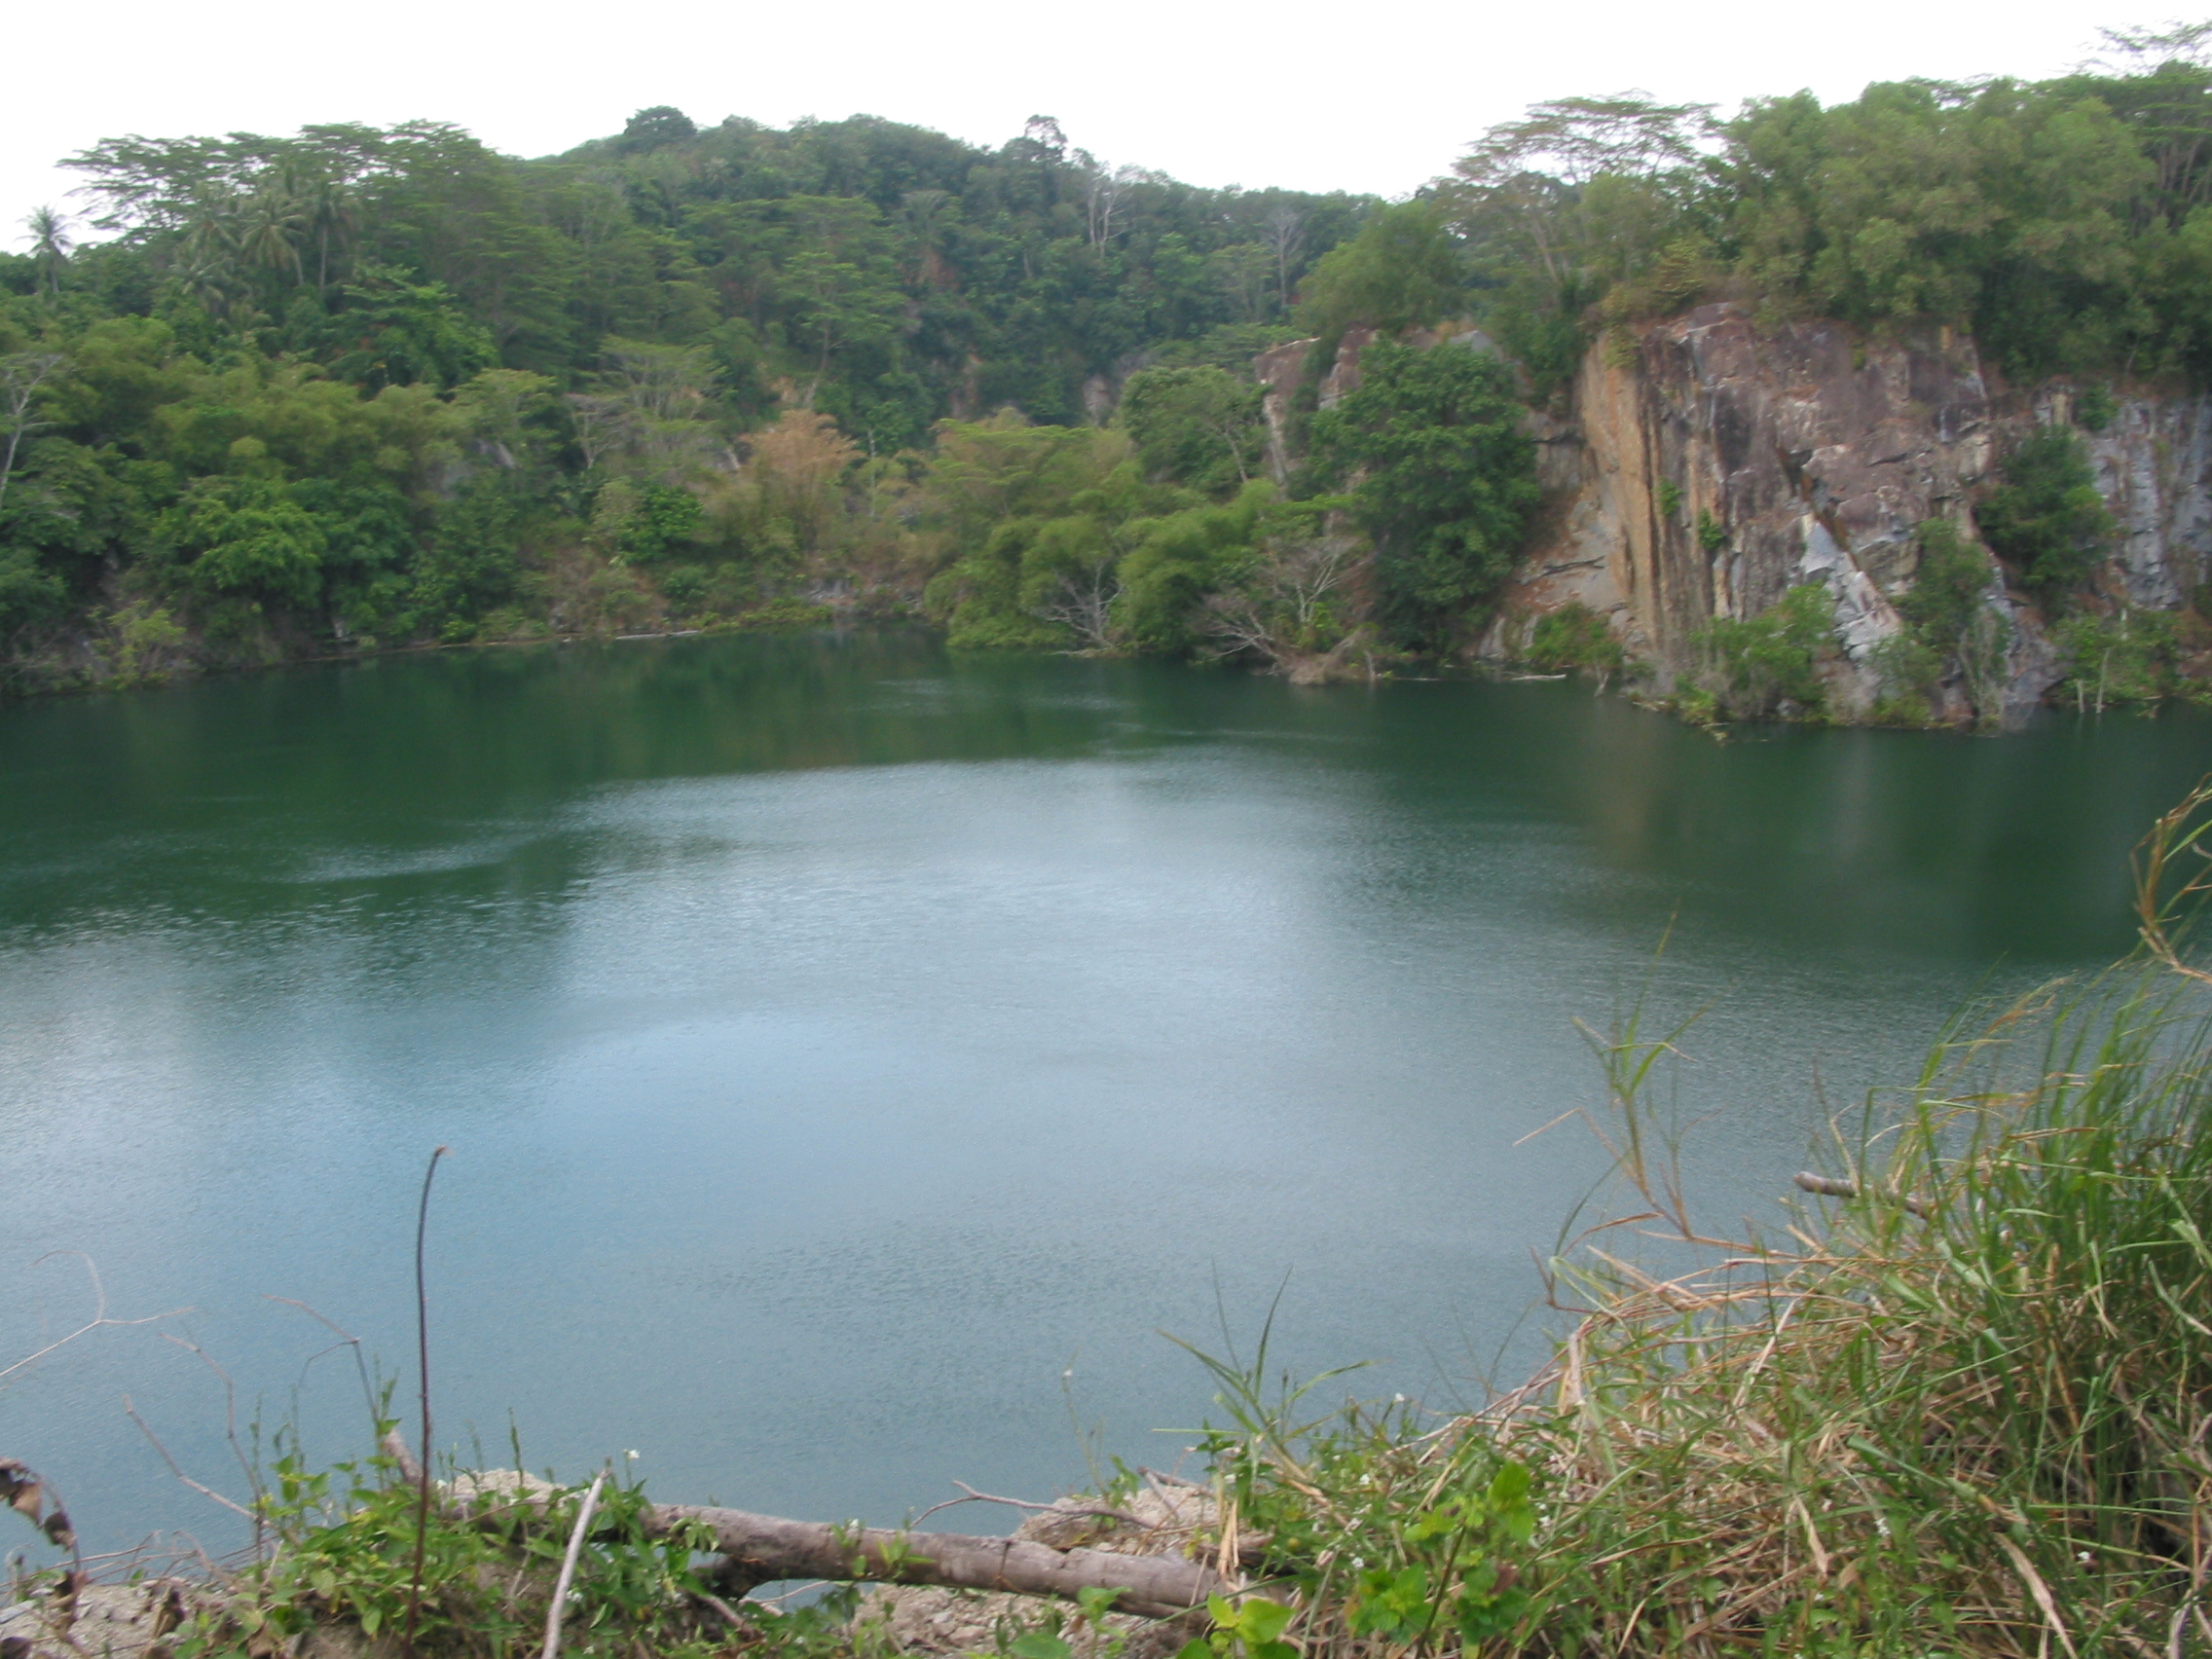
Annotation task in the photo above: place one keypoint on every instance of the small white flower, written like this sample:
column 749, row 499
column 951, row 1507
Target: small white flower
column 631, row 1455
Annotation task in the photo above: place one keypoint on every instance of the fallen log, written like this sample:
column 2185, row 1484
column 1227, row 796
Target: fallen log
column 762, row 1548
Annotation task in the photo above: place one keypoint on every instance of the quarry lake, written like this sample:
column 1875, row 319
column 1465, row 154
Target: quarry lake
column 852, row 1057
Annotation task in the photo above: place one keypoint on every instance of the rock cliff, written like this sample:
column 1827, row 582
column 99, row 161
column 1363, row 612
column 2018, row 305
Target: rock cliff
column 1721, row 462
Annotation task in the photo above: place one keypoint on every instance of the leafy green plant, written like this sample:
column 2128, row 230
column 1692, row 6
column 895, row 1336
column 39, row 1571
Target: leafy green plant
column 1755, row 665
column 1576, row 637
column 1670, row 499
column 2127, row 659
column 344, row 1548
column 2047, row 520
column 1247, row 1629
column 2094, row 408
column 1712, row 533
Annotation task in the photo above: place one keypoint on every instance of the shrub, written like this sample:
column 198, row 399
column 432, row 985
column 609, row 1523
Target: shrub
column 1576, row 637
column 1755, row 665
column 247, row 538
column 2127, row 659
column 2046, row 520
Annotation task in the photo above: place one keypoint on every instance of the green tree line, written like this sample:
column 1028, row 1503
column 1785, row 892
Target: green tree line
column 367, row 384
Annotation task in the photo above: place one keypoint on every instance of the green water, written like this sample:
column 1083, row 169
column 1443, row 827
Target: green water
column 850, row 1054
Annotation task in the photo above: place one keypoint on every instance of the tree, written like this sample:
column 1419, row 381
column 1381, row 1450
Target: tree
column 22, row 375
column 1403, row 269
column 1441, row 475
column 1200, row 426
column 50, row 244
column 1556, row 190
column 652, row 128
column 2047, row 519
column 248, row 536
column 1285, row 238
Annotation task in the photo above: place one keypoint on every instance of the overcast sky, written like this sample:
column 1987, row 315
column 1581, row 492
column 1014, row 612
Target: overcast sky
column 1353, row 95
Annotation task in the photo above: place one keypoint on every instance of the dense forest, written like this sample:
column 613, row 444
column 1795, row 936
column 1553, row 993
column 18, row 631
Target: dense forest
column 356, row 388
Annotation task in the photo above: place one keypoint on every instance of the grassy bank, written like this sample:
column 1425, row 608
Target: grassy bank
column 1961, row 1408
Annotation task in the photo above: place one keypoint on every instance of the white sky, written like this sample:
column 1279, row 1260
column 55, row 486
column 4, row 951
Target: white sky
column 1357, row 95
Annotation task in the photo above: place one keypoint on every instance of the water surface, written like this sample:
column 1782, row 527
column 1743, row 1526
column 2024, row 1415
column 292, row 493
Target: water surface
column 852, row 1056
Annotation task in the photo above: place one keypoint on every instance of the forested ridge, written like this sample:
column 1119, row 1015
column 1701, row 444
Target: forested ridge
column 361, row 388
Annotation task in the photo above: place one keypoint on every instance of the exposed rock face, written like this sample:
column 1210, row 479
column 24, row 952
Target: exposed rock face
column 1726, row 463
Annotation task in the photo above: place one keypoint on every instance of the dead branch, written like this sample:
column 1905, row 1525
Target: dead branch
column 99, row 1314
column 1059, row 1507
column 763, row 1548
column 131, row 1412
column 1836, row 1187
column 559, row 1610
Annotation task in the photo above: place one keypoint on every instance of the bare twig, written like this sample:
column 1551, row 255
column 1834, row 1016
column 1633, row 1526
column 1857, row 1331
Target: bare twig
column 229, row 1427
column 559, row 1610
column 131, row 1412
column 99, row 1314
column 730, row 1615
column 1055, row 1508
column 346, row 1339
column 423, row 1355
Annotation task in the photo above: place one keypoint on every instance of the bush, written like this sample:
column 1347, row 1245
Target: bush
column 247, row 538
column 1576, row 637
column 2046, row 520
column 2128, row 658
column 1754, row 666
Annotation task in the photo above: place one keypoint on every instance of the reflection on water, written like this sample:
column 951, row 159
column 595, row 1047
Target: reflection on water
column 839, row 1042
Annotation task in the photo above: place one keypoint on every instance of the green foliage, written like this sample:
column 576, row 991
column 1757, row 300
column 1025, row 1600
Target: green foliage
column 1389, row 1534
column 28, row 593
column 1177, row 559
column 1754, row 666
column 1403, row 269
column 1576, row 637
column 1441, row 476
column 248, row 536
column 2094, row 408
column 644, row 521
column 1949, row 585
column 1198, row 427
column 1949, row 626
column 144, row 637
column 2047, row 520
column 2133, row 657
column 1712, row 533
column 344, row 1551
column 1669, row 495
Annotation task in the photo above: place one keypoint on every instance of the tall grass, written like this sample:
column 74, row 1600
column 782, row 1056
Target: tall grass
column 1963, row 1409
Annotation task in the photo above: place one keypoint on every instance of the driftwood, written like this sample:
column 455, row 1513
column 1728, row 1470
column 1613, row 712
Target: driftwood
column 763, row 1547
column 1836, row 1187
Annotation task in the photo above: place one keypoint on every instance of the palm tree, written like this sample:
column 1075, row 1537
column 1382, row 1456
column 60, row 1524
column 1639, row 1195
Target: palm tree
column 272, row 219
column 50, row 244
column 329, row 209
